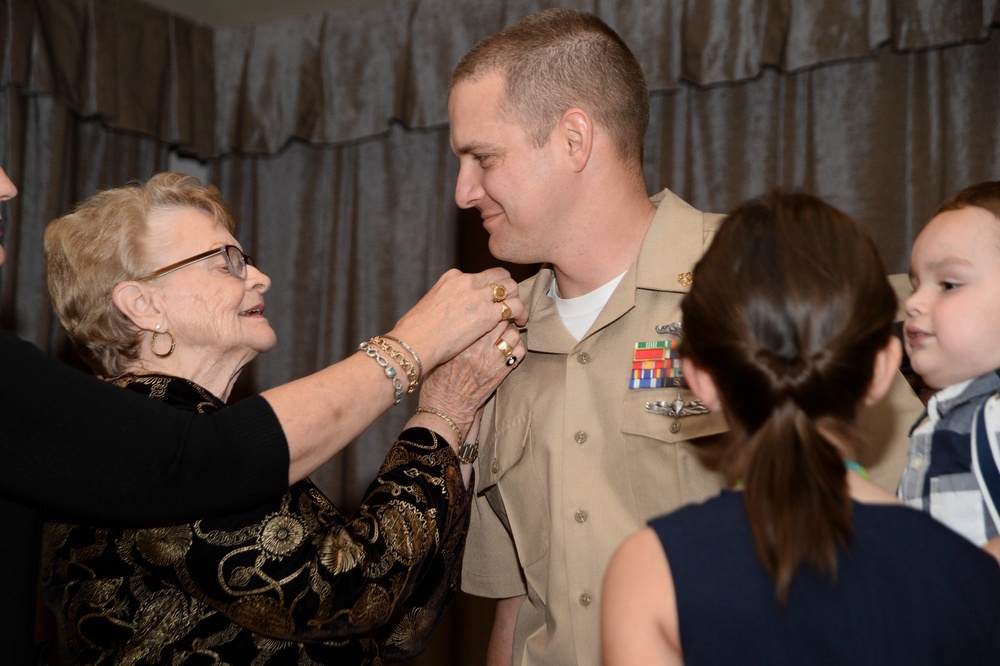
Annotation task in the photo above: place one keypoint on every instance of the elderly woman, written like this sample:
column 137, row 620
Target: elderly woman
column 191, row 464
column 155, row 291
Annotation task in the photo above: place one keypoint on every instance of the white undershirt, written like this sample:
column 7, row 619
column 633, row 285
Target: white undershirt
column 579, row 314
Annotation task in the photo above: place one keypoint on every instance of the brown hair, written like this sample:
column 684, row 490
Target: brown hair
column 100, row 244
column 558, row 59
column 982, row 195
column 788, row 309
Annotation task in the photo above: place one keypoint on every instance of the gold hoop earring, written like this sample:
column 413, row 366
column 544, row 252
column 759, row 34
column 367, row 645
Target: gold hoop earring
column 152, row 342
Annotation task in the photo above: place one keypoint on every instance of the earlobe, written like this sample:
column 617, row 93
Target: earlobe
column 701, row 384
column 135, row 301
column 884, row 370
column 578, row 131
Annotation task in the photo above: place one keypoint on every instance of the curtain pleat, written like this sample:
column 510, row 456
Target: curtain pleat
column 885, row 139
column 327, row 135
column 351, row 238
column 348, row 74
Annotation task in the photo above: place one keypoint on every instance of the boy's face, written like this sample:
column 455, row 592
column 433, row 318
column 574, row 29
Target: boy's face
column 952, row 328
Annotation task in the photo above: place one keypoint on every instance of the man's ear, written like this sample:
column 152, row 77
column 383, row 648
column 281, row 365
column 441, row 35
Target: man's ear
column 701, row 384
column 135, row 300
column 576, row 133
column 885, row 369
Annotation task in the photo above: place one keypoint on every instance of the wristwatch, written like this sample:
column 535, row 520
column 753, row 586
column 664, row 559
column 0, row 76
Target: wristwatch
column 469, row 452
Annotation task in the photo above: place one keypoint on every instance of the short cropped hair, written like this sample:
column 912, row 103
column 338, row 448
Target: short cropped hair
column 982, row 195
column 558, row 59
column 100, row 244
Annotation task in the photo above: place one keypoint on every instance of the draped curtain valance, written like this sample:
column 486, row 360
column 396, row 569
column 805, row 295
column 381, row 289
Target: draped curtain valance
column 327, row 135
column 343, row 75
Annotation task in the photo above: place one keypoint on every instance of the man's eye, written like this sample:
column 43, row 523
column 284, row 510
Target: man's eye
column 948, row 286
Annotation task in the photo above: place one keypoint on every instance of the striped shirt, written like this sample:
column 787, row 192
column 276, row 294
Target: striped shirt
column 939, row 476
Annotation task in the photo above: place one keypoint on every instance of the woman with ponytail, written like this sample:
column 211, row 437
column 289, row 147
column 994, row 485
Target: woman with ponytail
column 788, row 331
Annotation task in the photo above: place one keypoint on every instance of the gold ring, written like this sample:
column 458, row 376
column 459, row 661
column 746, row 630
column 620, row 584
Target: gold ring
column 505, row 348
column 504, row 311
column 499, row 292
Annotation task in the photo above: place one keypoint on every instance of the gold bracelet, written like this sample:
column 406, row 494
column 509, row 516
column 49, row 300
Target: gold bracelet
column 437, row 412
column 416, row 359
column 411, row 372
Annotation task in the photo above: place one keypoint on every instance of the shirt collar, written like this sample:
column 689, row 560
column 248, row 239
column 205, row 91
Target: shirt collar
column 951, row 397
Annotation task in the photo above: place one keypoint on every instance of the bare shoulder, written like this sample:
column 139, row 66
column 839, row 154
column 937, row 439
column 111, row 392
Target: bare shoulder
column 641, row 549
column 868, row 492
column 638, row 610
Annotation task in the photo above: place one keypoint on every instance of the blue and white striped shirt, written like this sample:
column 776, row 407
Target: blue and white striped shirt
column 939, row 476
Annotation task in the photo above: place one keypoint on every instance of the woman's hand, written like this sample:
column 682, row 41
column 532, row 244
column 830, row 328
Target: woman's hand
column 459, row 309
column 322, row 413
column 462, row 385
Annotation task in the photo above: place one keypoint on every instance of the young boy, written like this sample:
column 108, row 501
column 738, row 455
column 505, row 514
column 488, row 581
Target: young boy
column 952, row 336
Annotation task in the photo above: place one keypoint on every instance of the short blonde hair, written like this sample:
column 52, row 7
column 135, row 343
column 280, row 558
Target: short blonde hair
column 558, row 59
column 98, row 245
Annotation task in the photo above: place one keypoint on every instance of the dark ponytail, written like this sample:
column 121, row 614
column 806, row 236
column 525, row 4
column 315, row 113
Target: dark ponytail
column 788, row 308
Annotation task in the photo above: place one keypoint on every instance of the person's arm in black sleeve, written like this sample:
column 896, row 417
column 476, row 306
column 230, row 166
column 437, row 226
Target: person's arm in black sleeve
column 74, row 443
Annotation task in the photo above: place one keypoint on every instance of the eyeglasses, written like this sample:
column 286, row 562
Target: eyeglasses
column 236, row 262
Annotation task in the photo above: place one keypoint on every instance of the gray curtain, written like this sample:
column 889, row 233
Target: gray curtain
column 327, row 134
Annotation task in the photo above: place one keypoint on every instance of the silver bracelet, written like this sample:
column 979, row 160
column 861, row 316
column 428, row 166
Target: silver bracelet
column 390, row 372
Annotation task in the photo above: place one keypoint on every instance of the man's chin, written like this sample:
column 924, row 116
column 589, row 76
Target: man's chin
column 504, row 252
column 498, row 249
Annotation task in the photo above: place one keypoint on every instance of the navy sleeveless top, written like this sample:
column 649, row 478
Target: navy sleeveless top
column 908, row 591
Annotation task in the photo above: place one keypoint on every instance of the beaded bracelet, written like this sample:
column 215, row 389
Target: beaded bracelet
column 390, row 372
column 416, row 359
column 437, row 412
column 411, row 372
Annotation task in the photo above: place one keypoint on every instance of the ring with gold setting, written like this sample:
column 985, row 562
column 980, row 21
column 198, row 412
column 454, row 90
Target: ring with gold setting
column 505, row 348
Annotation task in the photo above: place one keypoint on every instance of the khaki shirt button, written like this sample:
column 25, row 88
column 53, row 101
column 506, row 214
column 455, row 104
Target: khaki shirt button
column 585, row 599
column 496, row 466
column 581, row 516
column 580, row 437
column 675, row 427
column 583, row 358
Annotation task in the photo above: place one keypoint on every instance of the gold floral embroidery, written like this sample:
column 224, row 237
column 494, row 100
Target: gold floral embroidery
column 263, row 615
column 338, row 552
column 290, row 570
column 282, row 534
column 372, row 605
column 164, row 545
column 413, row 629
column 404, row 530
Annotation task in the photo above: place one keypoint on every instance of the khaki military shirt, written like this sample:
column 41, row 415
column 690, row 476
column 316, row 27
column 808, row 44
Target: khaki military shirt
column 571, row 462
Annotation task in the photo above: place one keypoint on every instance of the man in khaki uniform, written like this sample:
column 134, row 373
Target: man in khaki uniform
column 548, row 120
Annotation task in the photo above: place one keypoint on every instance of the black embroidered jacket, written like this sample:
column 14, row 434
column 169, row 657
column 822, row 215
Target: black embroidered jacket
column 292, row 581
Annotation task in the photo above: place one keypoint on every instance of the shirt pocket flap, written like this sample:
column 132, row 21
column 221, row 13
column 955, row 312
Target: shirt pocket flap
column 637, row 420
